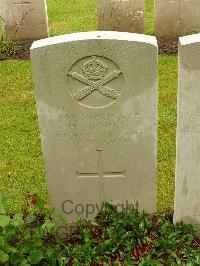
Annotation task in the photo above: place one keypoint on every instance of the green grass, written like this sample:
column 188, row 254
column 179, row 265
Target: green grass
column 168, row 77
column 21, row 164
column 21, row 167
column 149, row 16
column 71, row 16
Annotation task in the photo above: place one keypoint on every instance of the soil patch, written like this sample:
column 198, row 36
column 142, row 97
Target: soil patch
column 23, row 52
column 167, row 46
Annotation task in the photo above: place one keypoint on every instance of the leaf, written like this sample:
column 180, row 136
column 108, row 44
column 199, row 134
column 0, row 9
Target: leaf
column 4, row 204
column 3, row 257
column 93, row 223
column 38, row 243
column 2, row 207
column 37, row 201
column 4, row 220
column 35, row 257
column 27, row 246
column 62, row 219
column 77, row 262
column 32, row 200
column 189, row 264
column 24, row 263
column 10, row 230
column 30, row 218
column 18, row 220
column 48, row 226
column 16, row 258
column 27, row 234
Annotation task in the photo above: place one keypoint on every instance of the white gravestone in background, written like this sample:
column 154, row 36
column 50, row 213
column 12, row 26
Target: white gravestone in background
column 24, row 19
column 121, row 15
column 177, row 17
column 187, row 195
column 97, row 105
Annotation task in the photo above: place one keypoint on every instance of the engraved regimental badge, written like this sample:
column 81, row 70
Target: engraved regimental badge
column 95, row 81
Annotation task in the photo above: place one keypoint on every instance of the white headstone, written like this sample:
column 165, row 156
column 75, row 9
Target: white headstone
column 97, row 106
column 24, row 19
column 177, row 17
column 187, row 196
column 121, row 15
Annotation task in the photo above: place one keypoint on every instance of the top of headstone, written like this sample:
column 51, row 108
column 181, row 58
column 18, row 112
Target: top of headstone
column 189, row 39
column 95, row 35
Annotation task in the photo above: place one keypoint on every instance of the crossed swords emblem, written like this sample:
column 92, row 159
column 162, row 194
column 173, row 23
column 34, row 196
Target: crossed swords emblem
column 95, row 85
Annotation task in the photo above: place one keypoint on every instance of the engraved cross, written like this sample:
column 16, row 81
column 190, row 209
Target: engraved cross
column 101, row 174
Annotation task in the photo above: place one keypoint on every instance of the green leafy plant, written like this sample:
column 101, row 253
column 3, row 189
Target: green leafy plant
column 114, row 238
column 8, row 49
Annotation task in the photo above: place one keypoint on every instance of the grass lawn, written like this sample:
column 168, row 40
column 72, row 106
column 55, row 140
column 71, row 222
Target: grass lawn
column 21, row 164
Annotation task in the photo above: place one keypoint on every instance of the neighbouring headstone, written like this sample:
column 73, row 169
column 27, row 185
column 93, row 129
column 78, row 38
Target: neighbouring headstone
column 97, row 106
column 187, row 196
column 175, row 18
column 121, row 15
column 24, row 20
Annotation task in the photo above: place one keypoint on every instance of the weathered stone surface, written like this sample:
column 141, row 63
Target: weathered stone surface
column 177, row 17
column 97, row 105
column 24, row 20
column 187, row 196
column 121, row 15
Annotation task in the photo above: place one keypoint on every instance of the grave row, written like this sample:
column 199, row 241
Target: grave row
column 97, row 106
column 28, row 20
column 172, row 18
